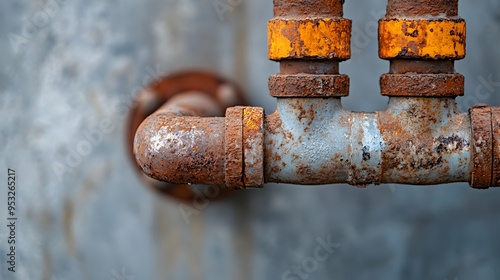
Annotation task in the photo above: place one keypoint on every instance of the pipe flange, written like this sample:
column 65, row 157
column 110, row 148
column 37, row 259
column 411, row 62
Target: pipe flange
column 308, row 85
column 482, row 145
column 244, row 152
column 422, row 85
column 253, row 147
column 234, row 148
column 495, row 123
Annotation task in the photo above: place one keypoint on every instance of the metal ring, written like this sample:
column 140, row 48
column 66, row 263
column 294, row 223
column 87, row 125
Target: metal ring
column 253, row 147
column 315, row 38
column 308, row 85
column 424, row 39
column 234, row 148
column 422, row 85
column 482, row 145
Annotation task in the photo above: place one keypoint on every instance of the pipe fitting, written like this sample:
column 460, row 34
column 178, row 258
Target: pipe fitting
column 182, row 149
column 244, row 150
column 485, row 123
column 415, row 141
column 421, row 139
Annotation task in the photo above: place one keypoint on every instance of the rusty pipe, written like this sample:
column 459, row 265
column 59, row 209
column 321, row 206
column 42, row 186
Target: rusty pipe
column 420, row 139
column 194, row 141
column 415, row 141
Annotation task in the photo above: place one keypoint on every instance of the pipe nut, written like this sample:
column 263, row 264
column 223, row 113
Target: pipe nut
column 309, row 38
column 422, row 38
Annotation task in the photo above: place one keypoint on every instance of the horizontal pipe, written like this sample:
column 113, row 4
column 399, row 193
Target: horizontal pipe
column 415, row 141
column 309, row 141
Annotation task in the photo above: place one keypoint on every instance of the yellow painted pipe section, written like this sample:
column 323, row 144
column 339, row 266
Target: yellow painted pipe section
column 425, row 39
column 317, row 38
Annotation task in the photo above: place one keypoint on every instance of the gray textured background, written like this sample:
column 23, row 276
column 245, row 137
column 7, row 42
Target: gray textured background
column 79, row 63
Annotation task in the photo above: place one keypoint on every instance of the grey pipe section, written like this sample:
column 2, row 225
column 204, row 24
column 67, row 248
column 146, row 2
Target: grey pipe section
column 416, row 141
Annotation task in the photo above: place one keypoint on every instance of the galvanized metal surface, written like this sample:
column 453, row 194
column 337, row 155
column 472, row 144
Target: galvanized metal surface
column 415, row 141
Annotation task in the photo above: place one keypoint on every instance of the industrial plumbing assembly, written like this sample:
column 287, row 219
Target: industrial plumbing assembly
column 420, row 139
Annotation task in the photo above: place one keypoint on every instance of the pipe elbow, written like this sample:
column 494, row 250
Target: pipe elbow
column 181, row 150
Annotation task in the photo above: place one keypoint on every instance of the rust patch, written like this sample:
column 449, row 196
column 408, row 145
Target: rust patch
column 450, row 144
column 413, row 150
column 272, row 123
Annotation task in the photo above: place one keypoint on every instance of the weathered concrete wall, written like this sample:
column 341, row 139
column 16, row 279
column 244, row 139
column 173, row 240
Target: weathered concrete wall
column 65, row 87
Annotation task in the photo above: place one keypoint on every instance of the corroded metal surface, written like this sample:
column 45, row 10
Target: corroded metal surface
column 495, row 124
column 482, row 146
column 307, row 142
column 284, row 8
column 404, row 66
column 427, row 141
column 416, row 141
column 181, row 149
column 316, row 38
column 302, row 66
column 309, row 38
column 253, row 147
column 234, row 148
column 307, row 85
column 176, row 90
column 415, row 85
column 414, row 8
column 365, row 150
column 422, row 38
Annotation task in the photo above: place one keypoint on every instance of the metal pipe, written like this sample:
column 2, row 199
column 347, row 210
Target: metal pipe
column 193, row 142
column 415, row 141
column 420, row 139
